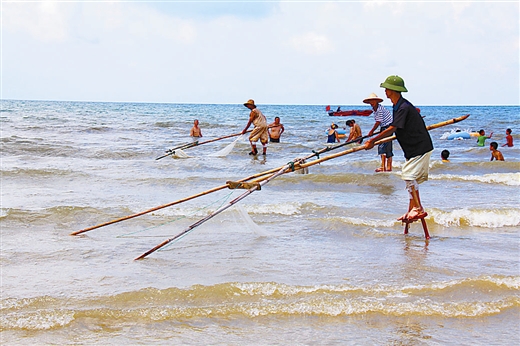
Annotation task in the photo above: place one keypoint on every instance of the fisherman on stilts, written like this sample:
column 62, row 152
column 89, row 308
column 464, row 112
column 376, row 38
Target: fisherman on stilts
column 260, row 128
column 417, row 145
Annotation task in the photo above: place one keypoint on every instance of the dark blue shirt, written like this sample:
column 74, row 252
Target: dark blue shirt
column 411, row 132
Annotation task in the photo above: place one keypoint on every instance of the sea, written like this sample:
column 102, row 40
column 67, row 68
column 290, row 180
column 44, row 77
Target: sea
column 309, row 259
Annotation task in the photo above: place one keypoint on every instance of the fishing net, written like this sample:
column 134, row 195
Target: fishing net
column 180, row 154
column 227, row 149
column 249, row 222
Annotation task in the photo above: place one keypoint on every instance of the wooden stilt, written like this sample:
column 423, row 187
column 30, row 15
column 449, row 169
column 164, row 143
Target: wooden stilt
column 423, row 222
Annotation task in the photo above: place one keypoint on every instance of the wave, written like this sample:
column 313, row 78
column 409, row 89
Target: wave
column 511, row 179
column 44, row 172
column 346, row 178
column 166, row 124
column 60, row 215
column 99, row 129
column 464, row 217
column 285, row 209
column 489, row 218
column 462, row 298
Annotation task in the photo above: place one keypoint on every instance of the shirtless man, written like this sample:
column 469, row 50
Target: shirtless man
column 275, row 130
column 260, row 128
column 195, row 132
column 355, row 131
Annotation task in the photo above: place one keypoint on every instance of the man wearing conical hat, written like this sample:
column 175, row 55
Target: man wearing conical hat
column 383, row 119
column 260, row 131
column 417, row 145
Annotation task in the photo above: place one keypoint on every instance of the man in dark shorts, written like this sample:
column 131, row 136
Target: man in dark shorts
column 275, row 130
column 383, row 119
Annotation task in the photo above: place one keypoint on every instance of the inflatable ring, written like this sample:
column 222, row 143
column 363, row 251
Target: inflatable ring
column 339, row 131
column 459, row 135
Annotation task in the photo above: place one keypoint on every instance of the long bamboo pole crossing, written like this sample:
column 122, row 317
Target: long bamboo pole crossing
column 262, row 176
column 256, row 175
column 283, row 170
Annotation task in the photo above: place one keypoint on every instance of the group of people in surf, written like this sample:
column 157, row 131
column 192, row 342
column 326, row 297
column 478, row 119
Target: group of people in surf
column 407, row 124
column 383, row 118
column 481, row 142
column 493, row 146
column 405, row 121
column 261, row 131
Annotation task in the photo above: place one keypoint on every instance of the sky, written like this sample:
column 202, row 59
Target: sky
column 275, row 52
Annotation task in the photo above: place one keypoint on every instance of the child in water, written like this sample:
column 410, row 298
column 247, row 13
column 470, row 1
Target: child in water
column 509, row 138
column 481, row 140
column 444, row 155
column 495, row 154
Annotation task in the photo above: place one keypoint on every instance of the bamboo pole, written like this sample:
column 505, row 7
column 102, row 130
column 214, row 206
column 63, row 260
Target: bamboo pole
column 259, row 177
column 195, row 144
column 149, row 210
column 200, row 194
column 256, row 175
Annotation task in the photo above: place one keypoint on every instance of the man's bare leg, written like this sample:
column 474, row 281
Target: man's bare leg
column 388, row 164
column 415, row 207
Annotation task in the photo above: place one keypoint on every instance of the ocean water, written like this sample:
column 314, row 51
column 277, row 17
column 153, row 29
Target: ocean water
column 315, row 258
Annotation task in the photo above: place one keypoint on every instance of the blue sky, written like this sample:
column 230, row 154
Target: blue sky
column 276, row 52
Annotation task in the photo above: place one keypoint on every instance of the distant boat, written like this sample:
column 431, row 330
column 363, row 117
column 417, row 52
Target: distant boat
column 352, row 112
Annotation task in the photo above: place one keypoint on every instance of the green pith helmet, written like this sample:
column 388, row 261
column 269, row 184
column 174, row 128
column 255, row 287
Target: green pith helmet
column 394, row 83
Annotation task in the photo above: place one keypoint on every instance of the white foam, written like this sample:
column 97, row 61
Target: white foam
column 511, row 179
column 279, row 209
column 38, row 320
column 368, row 222
column 478, row 218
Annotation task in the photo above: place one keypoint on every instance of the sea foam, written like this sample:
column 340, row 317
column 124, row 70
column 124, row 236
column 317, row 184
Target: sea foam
column 511, row 179
column 495, row 218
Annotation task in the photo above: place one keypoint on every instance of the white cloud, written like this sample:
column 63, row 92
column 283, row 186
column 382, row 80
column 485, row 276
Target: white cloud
column 291, row 53
column 312, row 43
column 46, row 21
column 54, row 22
column 144, row 22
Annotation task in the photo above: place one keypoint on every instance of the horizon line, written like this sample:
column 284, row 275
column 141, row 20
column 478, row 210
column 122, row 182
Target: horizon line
column 267, row 104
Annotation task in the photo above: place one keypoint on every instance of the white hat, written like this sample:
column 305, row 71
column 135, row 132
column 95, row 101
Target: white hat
column 372, row 97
